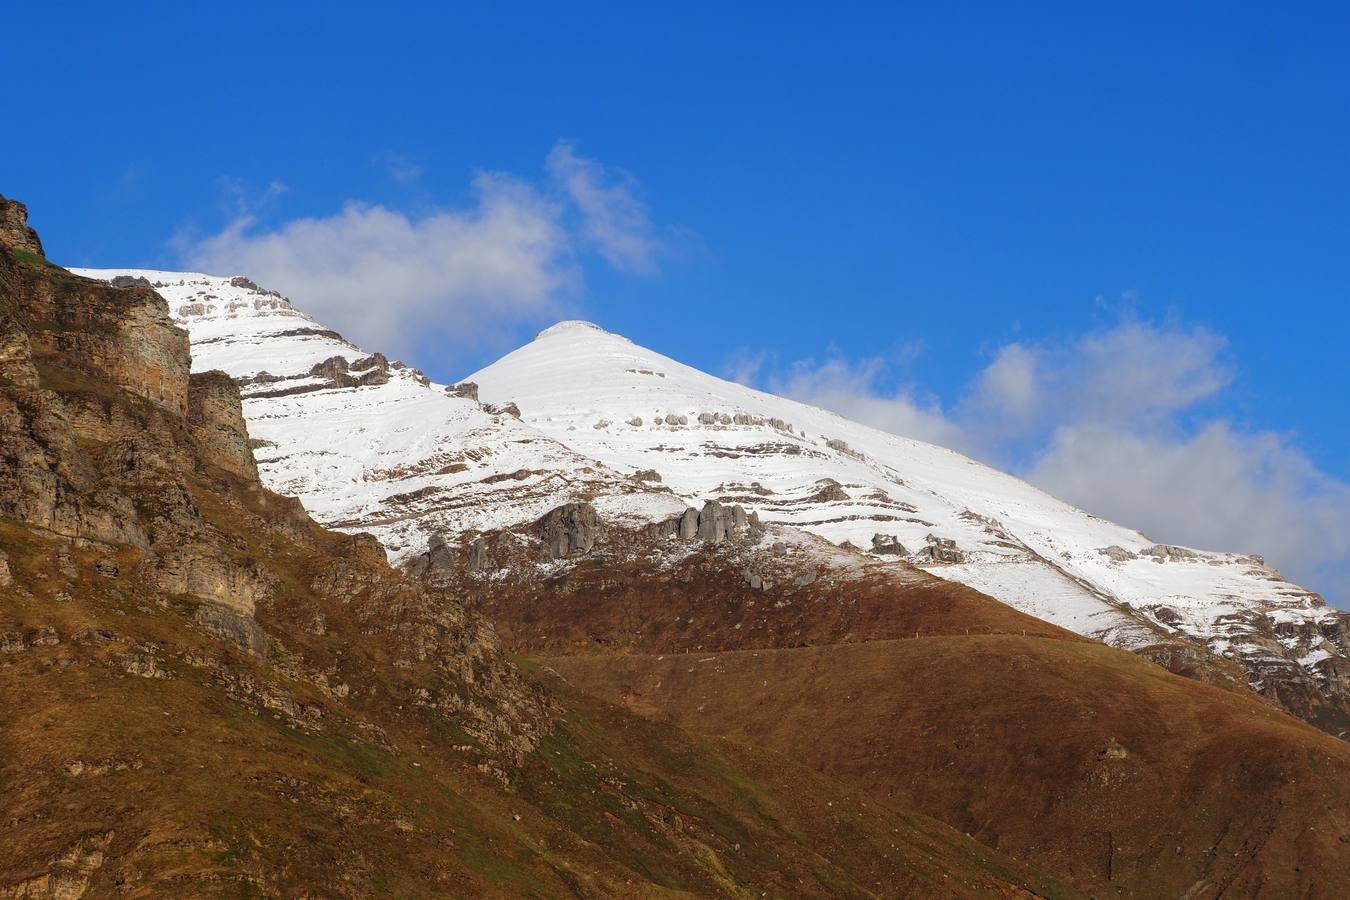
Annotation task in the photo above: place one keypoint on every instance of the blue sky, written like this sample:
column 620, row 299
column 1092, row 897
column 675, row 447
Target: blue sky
column 922, row 216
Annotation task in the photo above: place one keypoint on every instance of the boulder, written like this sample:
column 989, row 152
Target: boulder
column 508, row 408
column 689, row 524
column 716, row 522
column 131, row 281
column 439, row 559
column 830, row 490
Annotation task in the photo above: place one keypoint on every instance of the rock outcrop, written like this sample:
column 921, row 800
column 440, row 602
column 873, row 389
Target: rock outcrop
column 216, row 420
column 570, row 529
column 888, row 545
column 15, row 231
column 714, row 523
column 107, row 452
column 941, row 549
column 466, row 389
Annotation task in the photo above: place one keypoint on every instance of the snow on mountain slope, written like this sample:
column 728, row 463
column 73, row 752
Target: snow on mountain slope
column 372, row 445
column 633, row 409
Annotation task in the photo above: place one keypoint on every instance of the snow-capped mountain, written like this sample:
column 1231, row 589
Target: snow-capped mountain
column 373, row 445
column 634, row 409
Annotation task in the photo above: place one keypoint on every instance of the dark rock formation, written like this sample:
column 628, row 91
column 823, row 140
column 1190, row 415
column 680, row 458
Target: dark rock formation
column 888, row 545
column 716, row 522
column 337, row 371
column 130, row 281
column 466, row 389
column 502, row 409
column 941, row 550
column 830, row 490
column 571, row 528
column 689, row 524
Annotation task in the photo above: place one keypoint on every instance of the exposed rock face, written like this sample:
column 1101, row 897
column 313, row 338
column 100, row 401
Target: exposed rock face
column 830, row 490
column 131, row 281
column 14, row 229
column 888, row 545
column 716, row 522
column 16, row 356
column 502, row 409
column 941, row 550
column 102, row 436
column 374, row 370
column 125, row 337
column 216, row 419
column 466, row 389
column 569, row 529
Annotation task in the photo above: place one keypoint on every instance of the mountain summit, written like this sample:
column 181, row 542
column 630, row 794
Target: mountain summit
column 636, row 410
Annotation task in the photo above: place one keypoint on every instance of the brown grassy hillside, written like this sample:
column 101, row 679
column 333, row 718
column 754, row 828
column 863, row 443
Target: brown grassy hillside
column 1085, row 761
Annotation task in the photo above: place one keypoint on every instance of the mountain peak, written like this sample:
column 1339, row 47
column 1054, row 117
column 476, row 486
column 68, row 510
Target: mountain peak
column 573, row 326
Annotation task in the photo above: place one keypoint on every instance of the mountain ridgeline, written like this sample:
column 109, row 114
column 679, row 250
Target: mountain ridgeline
column 281, row 616
column 583, row 415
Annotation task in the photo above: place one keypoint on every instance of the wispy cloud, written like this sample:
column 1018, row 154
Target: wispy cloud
column 853, row 389
column 400, row 167
column 614, row 218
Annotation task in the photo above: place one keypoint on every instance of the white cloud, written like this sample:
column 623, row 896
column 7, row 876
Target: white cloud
column 614, row 220
column 383, row 278
column 1135, row 375
column 1218, row 488
column 393, row 282
column 852, row 390
column 1113, row 422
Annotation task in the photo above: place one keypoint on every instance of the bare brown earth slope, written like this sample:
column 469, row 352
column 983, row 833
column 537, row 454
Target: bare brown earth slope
column 202, row 693
column 1090, row 763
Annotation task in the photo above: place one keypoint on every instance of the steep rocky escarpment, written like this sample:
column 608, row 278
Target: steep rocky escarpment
column 202, row 692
